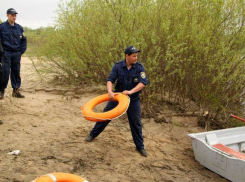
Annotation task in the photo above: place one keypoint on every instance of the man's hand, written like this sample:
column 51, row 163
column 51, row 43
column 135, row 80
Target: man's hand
column 111, row 95
column 127, row 92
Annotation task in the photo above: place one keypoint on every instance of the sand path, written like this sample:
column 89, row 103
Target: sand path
column 48, row 129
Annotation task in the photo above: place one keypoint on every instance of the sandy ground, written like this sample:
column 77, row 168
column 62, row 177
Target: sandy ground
column 48, row 129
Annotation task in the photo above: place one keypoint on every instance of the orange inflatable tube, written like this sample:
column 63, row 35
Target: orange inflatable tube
column 60, row 177
column 88, row 113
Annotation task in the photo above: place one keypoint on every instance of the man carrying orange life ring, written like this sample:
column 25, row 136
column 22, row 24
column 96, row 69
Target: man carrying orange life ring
column 131, row 79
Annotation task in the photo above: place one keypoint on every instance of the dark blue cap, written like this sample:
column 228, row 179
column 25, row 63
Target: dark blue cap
column 130, row 50
column 11, row 11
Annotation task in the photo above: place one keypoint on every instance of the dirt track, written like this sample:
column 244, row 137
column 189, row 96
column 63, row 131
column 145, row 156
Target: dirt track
column 48, row 129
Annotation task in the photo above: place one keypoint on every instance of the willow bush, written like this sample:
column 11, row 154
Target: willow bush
column 193, row 50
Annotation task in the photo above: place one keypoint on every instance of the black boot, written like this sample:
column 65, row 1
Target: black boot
column 142, row 152
column 17, row 94
column 89, row 138
column 1, row 94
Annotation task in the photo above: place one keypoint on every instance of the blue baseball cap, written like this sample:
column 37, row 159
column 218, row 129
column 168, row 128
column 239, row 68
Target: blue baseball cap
column 11, row 11
column 130, row 50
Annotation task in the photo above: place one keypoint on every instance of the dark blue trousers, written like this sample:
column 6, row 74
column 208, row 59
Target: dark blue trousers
column 11, row 66
column 134, row 118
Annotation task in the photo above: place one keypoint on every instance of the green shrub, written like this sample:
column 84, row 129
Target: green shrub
column 193, row 50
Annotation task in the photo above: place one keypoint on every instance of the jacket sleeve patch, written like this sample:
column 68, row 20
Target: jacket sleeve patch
column 143, row 75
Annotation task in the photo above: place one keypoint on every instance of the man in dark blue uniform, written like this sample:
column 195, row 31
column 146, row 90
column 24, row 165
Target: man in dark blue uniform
column 1, row 70
column 131, row 79
column 1, row 67
column 14, row 45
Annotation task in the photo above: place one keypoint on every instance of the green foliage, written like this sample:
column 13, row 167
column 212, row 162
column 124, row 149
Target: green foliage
column 190, row 48
column 36, row 36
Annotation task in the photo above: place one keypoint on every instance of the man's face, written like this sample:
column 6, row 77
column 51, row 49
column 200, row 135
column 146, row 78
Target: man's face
column 11, row 17
column 132, row 59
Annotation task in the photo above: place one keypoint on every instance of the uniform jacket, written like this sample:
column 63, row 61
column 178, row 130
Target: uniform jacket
column 127, row 79
column 1, row 49
column 1, row 67
column 12, row 37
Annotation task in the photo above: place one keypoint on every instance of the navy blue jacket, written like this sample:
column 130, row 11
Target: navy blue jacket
column 127, row 79
column 1, row 49
column 12, row 37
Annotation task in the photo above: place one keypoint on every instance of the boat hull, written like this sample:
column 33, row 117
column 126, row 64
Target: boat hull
column 219, row 161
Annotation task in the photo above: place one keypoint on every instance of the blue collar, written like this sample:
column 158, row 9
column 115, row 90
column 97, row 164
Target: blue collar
column 7, row 22
column 125, row 65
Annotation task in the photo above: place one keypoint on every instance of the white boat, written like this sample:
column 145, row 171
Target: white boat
column 222, row 152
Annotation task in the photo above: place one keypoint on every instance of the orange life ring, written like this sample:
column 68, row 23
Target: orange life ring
column 60, row 177
column 120, row 109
